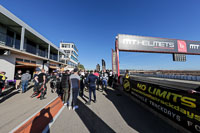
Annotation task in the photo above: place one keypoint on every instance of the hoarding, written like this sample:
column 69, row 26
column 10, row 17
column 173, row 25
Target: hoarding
column 114, row 61
column 176, row 104
column 157, row 45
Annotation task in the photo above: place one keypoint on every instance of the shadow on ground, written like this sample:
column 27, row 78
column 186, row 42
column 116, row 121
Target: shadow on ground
column 93, row 123
column 8, row 94
column 136, row 116
column 40, row 122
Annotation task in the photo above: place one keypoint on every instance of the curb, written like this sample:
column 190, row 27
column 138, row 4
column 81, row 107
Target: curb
column 39, row 121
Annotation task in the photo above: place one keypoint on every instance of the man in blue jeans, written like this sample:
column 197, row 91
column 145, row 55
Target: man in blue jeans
column 104, row 81
column 25, row 78
column 92, row 80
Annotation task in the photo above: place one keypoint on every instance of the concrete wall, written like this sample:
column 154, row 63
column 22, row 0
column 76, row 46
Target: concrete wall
column 7, row 64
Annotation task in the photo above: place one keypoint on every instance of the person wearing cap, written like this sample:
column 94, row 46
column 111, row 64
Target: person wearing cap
column 92, row 80
column 25, row 79
column 74, row 89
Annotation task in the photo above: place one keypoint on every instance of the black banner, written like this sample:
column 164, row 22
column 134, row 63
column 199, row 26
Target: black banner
column 178, row 105
column 158, row 45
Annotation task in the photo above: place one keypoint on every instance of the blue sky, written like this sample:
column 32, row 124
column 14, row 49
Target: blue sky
column 93, row 25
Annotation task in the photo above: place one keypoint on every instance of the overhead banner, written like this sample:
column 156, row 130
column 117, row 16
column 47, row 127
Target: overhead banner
column 157, row 45
column 114, row 61
column 176, row 104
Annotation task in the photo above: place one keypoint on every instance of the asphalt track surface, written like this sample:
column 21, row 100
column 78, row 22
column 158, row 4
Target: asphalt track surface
column 113, row 112
column 173, row 83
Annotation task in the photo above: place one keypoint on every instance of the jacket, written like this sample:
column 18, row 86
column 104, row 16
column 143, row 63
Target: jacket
column 65, row 81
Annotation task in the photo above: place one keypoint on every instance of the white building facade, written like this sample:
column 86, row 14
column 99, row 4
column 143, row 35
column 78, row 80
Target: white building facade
column 27, row 48
column 71, row 57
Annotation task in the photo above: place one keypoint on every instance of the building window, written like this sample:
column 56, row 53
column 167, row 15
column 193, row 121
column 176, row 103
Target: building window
column 34, row 62
column 19, row 59
column 28, row 61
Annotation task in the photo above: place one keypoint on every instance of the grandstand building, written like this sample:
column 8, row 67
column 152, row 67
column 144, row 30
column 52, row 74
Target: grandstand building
column 21, row 47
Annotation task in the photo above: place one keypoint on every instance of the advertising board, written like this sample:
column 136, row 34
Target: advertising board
column 176, row 104
column 157, row 45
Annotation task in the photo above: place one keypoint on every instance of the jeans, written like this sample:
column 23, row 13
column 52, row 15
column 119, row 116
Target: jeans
column 92, row 89
column 24, row 86
column 66, row 94
column 104, row 83
column 73, row 96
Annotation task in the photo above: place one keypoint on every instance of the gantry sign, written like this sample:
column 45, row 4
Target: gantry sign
column 134, row 43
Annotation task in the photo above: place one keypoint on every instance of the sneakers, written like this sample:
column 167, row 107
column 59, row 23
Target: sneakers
column 65, row 104
column 70, row 107
column 95, row 101
column 75, row 107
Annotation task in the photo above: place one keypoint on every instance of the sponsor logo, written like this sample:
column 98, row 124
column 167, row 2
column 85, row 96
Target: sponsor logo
column 154, row 44
column 127, row 85
column 194, row 46
column 182, row 47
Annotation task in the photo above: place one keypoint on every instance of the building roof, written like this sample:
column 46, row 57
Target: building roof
column 11, row 16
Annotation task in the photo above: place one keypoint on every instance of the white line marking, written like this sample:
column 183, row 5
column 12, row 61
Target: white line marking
column 31, row 116
column 53, row 120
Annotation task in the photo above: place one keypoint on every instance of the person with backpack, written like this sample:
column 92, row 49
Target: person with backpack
column 65, row 84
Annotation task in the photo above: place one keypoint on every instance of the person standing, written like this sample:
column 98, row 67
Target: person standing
column 74, row 89
column 25, row 79
column 18, row 79
column 104, row 81
column 42, row 84
column 96, row 73
column 65, row 84
column 2, row 81
column 36, row 84
column 82, row 83
column 92, row 80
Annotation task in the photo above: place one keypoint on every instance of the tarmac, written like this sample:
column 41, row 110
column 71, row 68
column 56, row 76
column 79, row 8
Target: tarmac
column 113, row 112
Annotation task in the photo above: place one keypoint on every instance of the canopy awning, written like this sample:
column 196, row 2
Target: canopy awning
column 21, row 64
column 53, row 67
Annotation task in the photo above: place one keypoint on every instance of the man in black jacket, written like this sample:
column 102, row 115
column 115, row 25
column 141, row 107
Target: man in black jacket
column 65, row 84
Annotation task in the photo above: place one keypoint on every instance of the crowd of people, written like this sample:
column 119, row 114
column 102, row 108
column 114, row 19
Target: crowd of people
column 68, row 84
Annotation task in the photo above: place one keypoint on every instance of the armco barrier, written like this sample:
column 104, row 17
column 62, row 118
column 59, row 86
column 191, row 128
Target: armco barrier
column 176, row 104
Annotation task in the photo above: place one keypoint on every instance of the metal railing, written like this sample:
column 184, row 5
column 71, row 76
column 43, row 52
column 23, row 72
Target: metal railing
column 9, row 41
